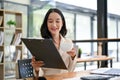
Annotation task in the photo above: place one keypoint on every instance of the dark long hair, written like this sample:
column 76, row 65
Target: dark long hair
column 44, row 28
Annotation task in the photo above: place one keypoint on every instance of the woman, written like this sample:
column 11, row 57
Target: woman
column 54, row 27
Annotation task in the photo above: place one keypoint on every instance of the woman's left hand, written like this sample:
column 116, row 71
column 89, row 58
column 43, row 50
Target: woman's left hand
column 72, row 53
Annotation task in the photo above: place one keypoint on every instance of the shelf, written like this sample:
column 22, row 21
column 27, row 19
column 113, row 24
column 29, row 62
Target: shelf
column 1, row 64
column 11, row 45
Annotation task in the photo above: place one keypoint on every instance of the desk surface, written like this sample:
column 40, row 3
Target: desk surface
column 67, row 75
column 80, row 73
column 96, row 58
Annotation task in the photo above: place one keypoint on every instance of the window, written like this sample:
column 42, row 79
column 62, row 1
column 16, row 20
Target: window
column 113, row 27
column 69, row 17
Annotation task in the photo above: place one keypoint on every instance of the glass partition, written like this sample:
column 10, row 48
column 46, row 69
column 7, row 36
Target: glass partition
column 113, row 28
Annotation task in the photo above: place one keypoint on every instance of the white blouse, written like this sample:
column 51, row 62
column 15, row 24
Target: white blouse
column 65, row 44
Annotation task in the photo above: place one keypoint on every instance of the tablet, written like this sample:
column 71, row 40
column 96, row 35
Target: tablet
column 45, row 50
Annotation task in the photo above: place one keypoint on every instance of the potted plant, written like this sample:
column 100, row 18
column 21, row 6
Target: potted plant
column 79, row 52
column 11, row 23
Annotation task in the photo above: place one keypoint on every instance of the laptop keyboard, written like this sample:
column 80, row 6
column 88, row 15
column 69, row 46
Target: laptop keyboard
column 113, row 72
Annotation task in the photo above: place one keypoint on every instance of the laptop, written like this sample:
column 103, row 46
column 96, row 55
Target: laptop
column 45, row 50
column 107, row 71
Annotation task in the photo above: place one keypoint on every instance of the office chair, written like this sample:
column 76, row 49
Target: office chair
column 25, row 70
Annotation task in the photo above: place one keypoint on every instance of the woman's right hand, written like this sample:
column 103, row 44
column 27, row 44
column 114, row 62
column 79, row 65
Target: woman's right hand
column 36, row 64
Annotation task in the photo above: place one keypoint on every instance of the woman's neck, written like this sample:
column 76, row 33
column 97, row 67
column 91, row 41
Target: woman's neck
column 56, row 40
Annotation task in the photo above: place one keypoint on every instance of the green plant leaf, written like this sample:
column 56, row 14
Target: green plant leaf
column 10, row 22
column 79, row 51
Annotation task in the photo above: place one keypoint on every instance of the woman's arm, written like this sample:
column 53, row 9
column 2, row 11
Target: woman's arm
column 36, row 65
column 72, row 60
column 72, row 53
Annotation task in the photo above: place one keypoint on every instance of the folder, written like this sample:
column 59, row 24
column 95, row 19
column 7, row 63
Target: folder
column 45, row 50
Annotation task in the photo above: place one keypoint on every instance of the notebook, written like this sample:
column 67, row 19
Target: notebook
column 45, row 50
column 107, row 71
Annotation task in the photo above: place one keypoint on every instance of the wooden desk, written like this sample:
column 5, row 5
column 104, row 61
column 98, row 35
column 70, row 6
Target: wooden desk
column 63, row 76
column 68, row 75
column 97, row 58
